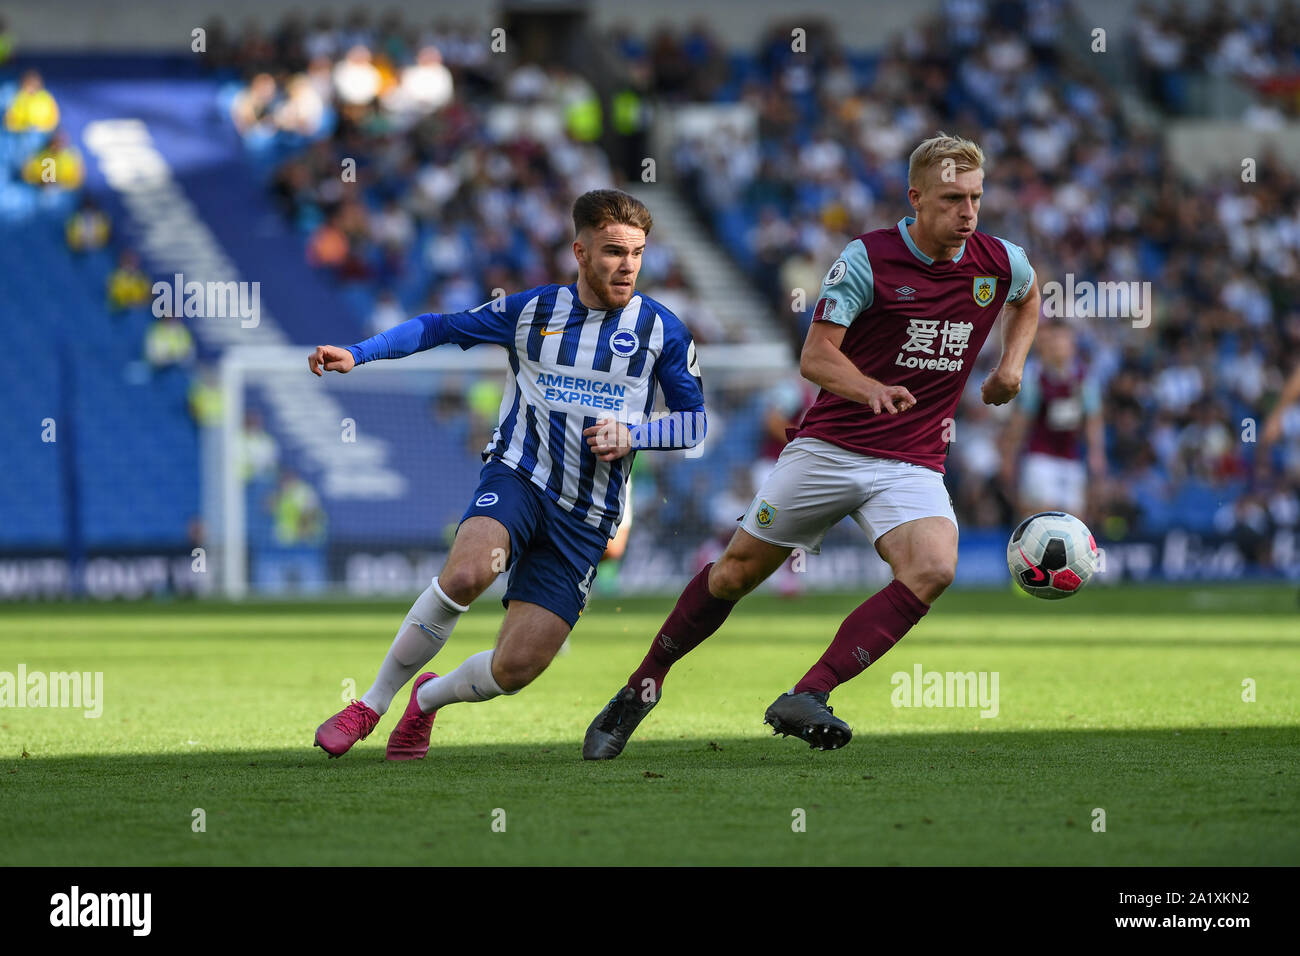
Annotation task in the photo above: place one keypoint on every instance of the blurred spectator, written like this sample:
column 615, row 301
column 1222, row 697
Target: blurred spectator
column 168, row 343
column 1246, row 522
column 328, row 246
column 205, row 400
column 128, row 286
column 1179, row 383
column 1162, row 45
column 678, row 298
column 356, row 81
column 484, row 401
column 303, row 111
column 387, row 313
column 425, row 87
column 298, row 533
column 252, row 109
column 259, row 453
column 393, row 230
column 980, row 493
column 58, row 165
column 33, row 107
column 583, row 115
column 783, row 406
column 87, row 229
column 296, row 511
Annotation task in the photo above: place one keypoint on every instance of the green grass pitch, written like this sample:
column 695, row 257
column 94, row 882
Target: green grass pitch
column 1124, row 701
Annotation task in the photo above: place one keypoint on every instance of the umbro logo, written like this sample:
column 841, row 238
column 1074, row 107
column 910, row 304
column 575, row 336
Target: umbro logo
column 905, row 293
column 668, row 643
column 862, row 656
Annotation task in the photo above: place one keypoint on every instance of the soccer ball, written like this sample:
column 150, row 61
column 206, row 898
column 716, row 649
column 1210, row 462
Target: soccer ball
column 1052, row 555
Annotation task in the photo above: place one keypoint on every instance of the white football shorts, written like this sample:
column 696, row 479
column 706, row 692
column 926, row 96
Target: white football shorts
column 1050, row 482
column 815, row 484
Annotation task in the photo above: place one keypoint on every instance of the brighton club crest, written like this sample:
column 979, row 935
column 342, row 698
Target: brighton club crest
column 624, row 342
column 984, row 289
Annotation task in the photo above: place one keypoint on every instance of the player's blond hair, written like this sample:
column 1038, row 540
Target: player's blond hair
column 964, row 154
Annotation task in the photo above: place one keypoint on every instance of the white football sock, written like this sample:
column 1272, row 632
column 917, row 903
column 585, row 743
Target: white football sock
column 422, row 635
column 472, row 681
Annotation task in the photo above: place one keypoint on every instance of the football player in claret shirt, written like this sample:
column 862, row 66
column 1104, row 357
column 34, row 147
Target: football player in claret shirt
column 901, row 316
column 587, row 361
column 1059, row 408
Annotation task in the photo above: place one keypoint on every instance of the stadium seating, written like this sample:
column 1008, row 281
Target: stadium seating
column 133, row 444
column 1075, row 193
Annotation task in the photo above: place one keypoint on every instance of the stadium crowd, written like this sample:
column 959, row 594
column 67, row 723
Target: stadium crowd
column 465, row 164
column 1086, row 193
column 1258, row 46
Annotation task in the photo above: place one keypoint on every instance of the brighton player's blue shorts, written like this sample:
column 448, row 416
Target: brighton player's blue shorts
column 553, row 555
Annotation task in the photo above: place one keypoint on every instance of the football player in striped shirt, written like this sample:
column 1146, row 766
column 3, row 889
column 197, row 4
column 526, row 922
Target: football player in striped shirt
column 901, row 316
column 587, row 359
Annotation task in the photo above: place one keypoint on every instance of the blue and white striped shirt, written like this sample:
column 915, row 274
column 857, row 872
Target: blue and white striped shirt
column 572, row 366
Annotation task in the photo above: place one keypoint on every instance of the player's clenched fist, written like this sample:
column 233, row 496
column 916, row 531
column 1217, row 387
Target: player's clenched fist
column 608, row 439
column 331, row 358
column 999, row 388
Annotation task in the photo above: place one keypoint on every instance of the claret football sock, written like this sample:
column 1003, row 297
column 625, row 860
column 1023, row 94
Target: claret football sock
column 696, row 615
column 422, row 635
column 876, row 625
column 472, row 681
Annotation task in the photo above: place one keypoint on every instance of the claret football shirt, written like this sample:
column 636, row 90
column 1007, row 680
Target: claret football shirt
column 916, row 322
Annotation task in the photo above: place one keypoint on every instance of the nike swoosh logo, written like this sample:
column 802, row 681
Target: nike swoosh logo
column 1039, row 574
column 554, row 331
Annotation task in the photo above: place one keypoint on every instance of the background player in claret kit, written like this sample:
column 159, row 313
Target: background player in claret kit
column 1059, row 406
column 588, row 359
column 901, row 316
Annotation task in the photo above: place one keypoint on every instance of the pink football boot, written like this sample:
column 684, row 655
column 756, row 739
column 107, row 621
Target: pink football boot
column 410, row 738
column 354, row 722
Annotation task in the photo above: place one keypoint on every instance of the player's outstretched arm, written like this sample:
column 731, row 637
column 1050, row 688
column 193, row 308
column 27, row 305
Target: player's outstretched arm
column 1019, row 324
column 823, row 364
column 492, row 322
column 331, row 358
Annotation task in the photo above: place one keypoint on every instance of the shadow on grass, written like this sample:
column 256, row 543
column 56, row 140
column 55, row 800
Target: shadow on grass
column 1178, row 796
column 759, row 755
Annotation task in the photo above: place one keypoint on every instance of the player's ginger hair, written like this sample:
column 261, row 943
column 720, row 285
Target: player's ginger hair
column 600, row 207
column 965, row 156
